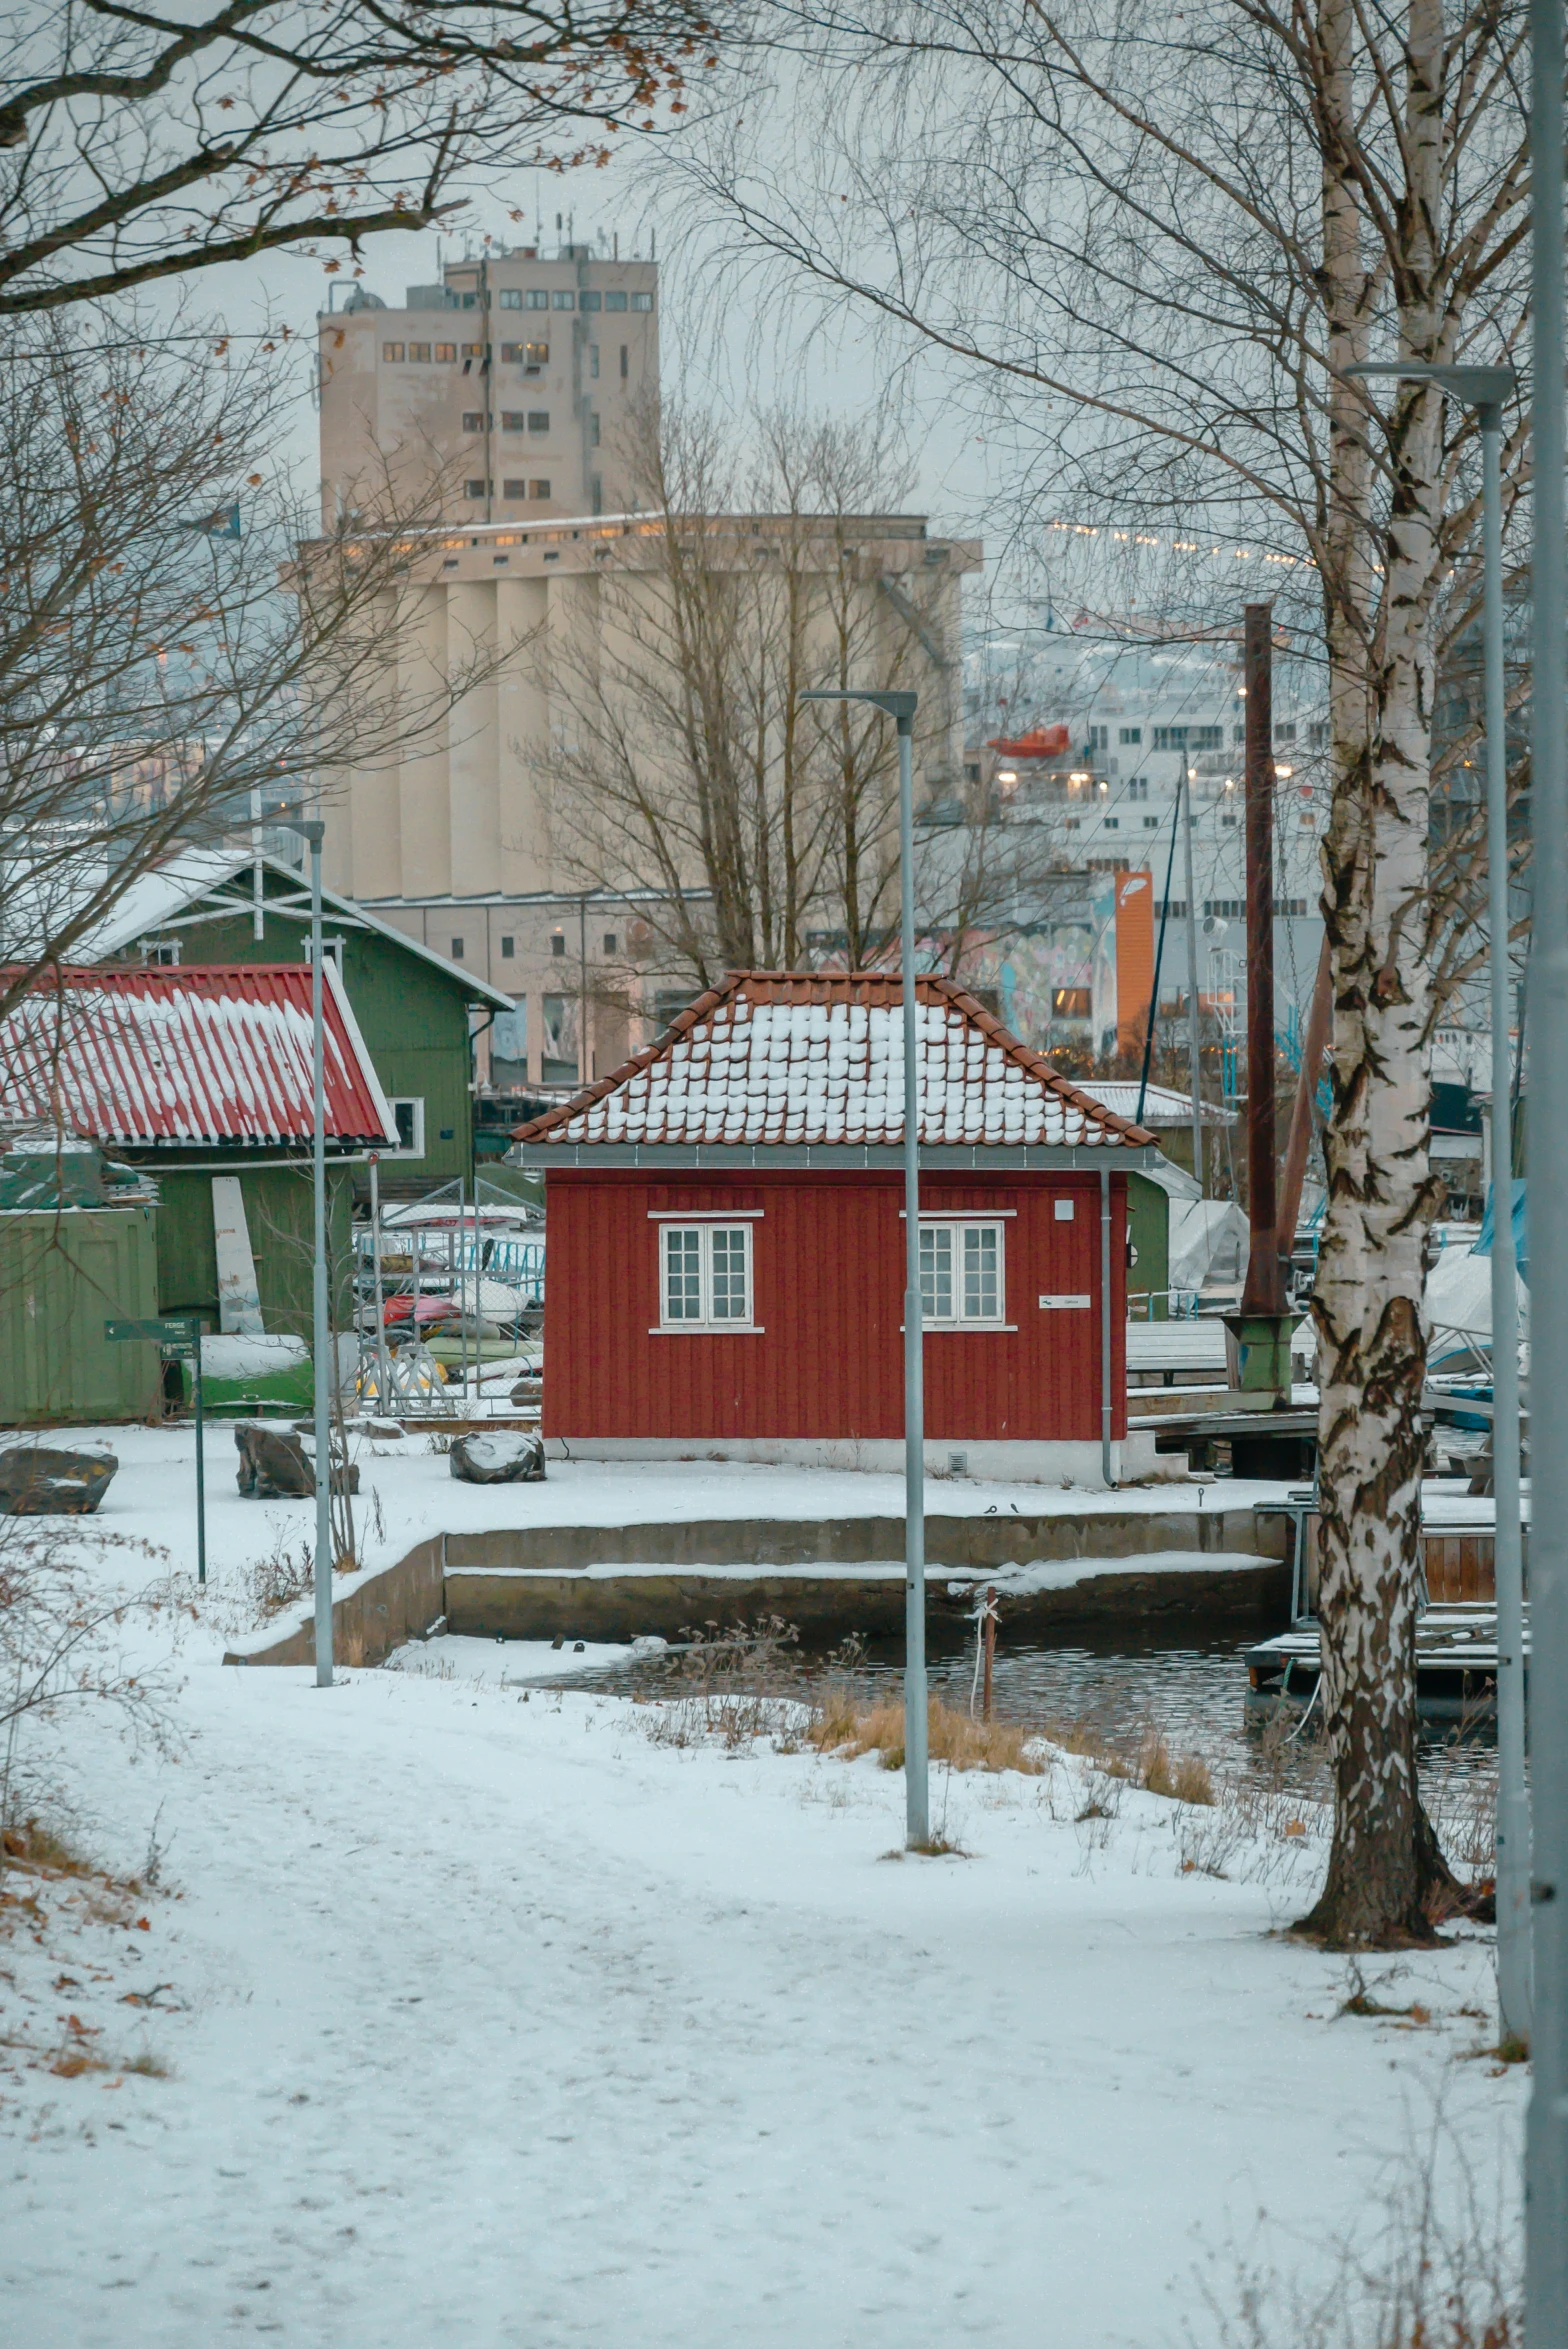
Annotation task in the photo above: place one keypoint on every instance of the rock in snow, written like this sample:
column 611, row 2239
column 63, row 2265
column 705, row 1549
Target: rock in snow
column 36, row 1481
column 503, row 1458
column 276, row 1465
column 273, row 1465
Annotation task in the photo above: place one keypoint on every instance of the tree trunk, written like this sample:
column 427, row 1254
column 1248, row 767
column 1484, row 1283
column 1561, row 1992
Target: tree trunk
column 1387, row 1881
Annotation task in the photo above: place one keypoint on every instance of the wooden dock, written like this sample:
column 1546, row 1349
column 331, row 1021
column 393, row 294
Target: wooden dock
column 1456, row 1663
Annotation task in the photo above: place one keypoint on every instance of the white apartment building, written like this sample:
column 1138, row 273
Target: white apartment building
column 1140, row 726
column 517, row 376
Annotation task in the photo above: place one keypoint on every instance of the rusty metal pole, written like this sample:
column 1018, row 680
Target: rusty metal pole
column 1313, row 1046
column 1264, row 1291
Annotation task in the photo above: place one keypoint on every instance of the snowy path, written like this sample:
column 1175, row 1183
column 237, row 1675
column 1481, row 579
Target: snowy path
column 508, row 2026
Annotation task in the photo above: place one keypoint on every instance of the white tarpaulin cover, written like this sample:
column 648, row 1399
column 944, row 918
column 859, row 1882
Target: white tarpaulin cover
column 1209, row 1242
column 1459, row 1294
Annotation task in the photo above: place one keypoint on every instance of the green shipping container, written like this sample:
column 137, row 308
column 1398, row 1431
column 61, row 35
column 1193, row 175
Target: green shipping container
column 62, row 1276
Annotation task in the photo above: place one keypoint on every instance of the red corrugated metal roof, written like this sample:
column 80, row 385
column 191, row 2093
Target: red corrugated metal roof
column 203, row 1053
column 816, row 1056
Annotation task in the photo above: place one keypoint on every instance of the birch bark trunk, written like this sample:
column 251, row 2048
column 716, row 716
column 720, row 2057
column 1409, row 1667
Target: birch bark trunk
column 1386, row 1881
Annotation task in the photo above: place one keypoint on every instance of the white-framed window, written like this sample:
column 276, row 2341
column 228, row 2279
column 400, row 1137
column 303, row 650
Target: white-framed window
column 408, row 1119
column 705, row 1276
column 963, row 1274
column 161, row 950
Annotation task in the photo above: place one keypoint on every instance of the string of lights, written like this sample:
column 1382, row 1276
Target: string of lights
column 1187, row 546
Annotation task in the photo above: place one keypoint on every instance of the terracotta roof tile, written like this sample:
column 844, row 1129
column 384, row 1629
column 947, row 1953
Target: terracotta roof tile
column 783, row 1056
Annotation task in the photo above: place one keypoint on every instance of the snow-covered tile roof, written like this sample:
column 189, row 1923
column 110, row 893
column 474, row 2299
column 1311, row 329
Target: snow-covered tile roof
column 1162, row 1105
column 194, row 1054
column 780, row 1057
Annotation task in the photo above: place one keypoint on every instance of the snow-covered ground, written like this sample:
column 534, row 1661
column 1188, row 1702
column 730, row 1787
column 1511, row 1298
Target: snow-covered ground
column 486, row 2016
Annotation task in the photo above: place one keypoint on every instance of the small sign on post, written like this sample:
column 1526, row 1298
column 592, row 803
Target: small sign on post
column 176, row 1333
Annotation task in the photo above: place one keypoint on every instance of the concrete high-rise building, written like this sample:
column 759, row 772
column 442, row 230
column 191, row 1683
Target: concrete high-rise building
column 516, row 378
column 461, row 840
column 528, row 386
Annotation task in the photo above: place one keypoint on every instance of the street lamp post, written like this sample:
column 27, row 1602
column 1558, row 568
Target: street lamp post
column 917, row 1806
column 1546, row 2141
column 1485, row 389
column 312, row 831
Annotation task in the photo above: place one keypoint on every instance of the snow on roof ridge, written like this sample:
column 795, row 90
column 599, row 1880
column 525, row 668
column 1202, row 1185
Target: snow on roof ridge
column 737, row 1110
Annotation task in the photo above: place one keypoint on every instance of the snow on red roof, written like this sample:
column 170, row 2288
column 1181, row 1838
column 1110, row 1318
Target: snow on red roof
column 195, row 1054
column 797, row 1057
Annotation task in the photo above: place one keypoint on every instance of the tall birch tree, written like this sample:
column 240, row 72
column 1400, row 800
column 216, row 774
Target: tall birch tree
column 1164, row 240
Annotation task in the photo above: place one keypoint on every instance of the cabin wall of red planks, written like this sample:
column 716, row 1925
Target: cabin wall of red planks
column 828, row 1274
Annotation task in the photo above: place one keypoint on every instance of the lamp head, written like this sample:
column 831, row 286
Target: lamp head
column 1485, row 388
column 309, row 828
column 900, row 706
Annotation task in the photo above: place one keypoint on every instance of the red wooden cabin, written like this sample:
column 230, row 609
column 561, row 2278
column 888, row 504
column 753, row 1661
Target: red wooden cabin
column 726, row 1239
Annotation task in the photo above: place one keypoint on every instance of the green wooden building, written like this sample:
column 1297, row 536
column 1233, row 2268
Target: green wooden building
column 416, row 1012
column 199, row 1078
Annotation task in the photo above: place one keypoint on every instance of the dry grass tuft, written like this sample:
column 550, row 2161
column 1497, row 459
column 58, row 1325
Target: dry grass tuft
column 1181, row 1778
column 281, row 1579
column 38, row 1847
column 146, row 2067
column 840, row 1726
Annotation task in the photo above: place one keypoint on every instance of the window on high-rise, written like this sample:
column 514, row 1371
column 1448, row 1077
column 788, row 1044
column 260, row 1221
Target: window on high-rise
column 538, row 419
column 420, row 352
column 616, row 301
column 445, row 354
column 625, row 358
column 514, row 489
column 593, row 430
column 538, row 489
column 538, row 299
column 473, row 420
column 591, row 302
column 563, row 301
column 392, row 352
column 593, row 362
column 642, row 301
column 475, row 489
column 511, row 297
